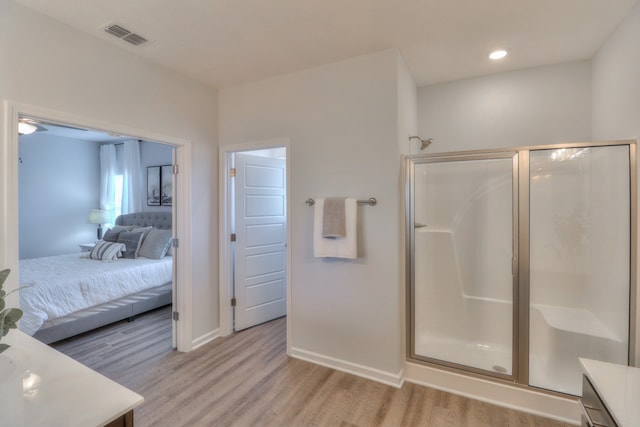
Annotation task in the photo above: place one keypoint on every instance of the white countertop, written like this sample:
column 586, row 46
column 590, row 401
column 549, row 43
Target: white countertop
column 619, row 388
column 43, row 387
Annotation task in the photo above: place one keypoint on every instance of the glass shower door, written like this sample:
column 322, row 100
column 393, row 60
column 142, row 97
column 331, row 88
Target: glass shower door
column 462, row 274
column 579, row 262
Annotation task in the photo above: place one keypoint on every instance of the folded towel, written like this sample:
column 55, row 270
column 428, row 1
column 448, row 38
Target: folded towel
column 334, row 217
column 340, row 247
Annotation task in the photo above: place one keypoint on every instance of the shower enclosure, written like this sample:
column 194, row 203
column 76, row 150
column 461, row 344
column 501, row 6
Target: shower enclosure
column 521, row 260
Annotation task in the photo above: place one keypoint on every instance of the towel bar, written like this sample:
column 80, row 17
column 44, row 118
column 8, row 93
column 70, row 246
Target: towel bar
column 372, row 201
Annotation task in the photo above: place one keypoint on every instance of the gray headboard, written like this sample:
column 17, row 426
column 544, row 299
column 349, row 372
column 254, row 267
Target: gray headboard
column 161, row 220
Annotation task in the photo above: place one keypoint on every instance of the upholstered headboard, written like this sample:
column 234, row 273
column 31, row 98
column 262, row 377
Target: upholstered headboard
column 161, row 220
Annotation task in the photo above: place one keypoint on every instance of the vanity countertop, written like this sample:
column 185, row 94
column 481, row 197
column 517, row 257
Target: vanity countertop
column 619, row 387
column 40, row 386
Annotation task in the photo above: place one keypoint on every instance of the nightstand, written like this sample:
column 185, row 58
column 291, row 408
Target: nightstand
column 86, row 247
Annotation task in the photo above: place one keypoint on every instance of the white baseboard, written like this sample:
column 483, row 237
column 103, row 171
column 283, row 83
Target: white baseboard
column 519, row 398
column 388, row 378
column 206, row 338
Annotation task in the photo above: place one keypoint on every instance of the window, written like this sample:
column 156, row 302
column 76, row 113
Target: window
column 118, row 181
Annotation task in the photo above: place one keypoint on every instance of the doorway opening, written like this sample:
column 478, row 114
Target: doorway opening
column 60, row 126
column 254, row 230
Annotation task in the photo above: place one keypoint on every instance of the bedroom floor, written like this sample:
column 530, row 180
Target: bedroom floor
column 247, row 380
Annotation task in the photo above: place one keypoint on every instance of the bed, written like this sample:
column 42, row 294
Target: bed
column 69, row 294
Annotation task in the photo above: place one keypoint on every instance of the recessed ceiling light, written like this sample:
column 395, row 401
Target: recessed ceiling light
column 498, row 54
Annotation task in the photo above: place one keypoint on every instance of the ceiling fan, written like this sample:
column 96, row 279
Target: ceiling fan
column 28, row 126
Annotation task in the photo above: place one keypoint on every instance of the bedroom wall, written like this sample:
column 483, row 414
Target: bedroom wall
column 342, row 122
column 543, row 105
column 58, row 187
column 154, row 154
column 616, row 98
column 52, row 66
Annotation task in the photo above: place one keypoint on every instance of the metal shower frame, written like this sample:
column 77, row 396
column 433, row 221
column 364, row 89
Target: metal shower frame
column 521, row 255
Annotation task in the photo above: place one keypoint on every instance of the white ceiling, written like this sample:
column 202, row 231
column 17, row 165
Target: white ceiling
column 227, row 42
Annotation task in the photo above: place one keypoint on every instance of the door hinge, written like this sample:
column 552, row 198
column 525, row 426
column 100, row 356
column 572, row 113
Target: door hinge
column 176, row 242
column 232, row 172
column 233, row 237
column 175, row 169
column 176, row 316
column 233, row 302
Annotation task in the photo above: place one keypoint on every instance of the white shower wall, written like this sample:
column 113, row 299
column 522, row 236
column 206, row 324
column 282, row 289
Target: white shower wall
column 579, row 274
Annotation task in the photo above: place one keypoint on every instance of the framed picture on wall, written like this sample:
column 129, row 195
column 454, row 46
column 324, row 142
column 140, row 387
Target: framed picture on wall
column 166, row 177
column 153, row 186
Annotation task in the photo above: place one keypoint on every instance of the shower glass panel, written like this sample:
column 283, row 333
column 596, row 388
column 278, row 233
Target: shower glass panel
column 463, row 240
column 579, row 262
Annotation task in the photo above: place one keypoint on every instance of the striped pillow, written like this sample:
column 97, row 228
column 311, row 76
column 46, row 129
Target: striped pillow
column 106, row 251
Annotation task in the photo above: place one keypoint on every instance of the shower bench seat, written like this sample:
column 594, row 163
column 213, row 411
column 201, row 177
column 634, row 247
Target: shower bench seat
column 576, row 320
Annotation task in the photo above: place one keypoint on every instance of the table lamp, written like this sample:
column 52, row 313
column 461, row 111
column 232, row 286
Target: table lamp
column 98, row 216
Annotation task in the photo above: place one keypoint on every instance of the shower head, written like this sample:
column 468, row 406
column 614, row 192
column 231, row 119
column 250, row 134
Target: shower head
column 424, row 143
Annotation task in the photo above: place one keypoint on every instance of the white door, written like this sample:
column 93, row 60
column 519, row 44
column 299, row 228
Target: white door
column 260, row 247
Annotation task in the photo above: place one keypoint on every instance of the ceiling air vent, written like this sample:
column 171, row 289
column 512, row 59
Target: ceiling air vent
column 124, row 34
column 117, row 30
column 134, row 39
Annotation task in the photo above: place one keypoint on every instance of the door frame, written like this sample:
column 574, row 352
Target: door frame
column 182, row 301
column 225, row 202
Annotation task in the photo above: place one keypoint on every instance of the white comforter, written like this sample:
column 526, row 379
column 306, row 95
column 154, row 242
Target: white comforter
column 63, row 284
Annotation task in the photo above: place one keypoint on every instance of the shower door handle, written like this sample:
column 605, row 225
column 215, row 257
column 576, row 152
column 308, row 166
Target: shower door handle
column 514, row 266
column 418, row 225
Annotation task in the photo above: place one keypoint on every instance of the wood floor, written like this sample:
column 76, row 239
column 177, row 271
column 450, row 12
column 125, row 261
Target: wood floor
column 248, row 380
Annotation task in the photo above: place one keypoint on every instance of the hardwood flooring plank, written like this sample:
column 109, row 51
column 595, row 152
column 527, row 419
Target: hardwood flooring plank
column 247, row 379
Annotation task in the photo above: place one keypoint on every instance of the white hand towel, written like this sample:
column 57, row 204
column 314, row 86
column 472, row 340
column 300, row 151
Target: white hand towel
column 341, row 247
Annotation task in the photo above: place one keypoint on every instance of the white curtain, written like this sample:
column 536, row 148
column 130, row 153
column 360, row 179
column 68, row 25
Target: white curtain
column 108, row 170
column 132, row 191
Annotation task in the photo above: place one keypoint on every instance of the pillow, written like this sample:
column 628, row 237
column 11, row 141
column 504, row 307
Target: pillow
column 144, row 230
column 106, row 251
column 132, row 242
column 111, row 235
column 156, row 244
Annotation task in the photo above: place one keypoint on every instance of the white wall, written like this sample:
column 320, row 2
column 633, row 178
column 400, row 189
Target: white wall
column 616, row 82
column 616, row 98
column 342, row 122
column 544, row 105
column 407, row 110
column 52, row 66
column 59, row 185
